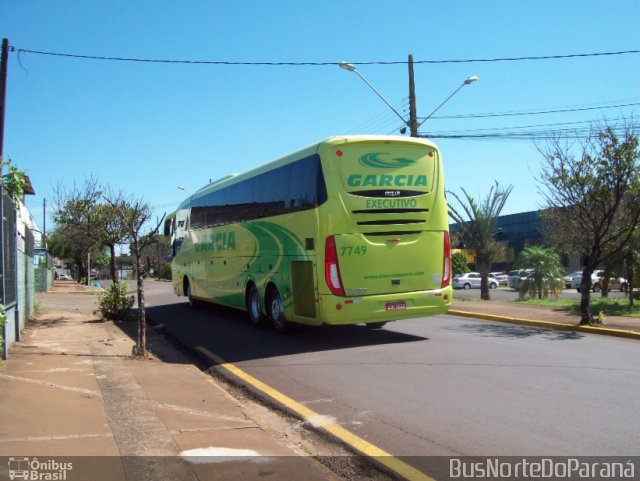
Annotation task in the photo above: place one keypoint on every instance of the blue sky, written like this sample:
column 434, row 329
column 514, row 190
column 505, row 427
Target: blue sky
column 147, row 128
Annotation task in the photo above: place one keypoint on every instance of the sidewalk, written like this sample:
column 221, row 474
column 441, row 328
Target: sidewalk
column 70, row 388
column 541, row 316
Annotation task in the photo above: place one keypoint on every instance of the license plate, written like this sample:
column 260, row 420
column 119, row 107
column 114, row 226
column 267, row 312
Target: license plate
column 396, row 306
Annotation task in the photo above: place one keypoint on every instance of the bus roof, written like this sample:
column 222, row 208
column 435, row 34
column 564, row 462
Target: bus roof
column 297, row 155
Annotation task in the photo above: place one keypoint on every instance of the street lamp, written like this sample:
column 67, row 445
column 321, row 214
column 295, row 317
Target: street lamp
column 182, row 187
column 351, row 68
column 468, row 81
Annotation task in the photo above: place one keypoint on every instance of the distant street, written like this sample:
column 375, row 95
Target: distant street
column 506, row 293
column 437, row 386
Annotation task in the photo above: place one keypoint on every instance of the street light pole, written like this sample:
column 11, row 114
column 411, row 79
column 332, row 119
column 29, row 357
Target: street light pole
column 352, row 68
column 468, row 81
column 413, row 119
column 413, row 123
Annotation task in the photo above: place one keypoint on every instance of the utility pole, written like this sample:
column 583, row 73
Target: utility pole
column 3, row 92
column 44, row 223
column 413, row 119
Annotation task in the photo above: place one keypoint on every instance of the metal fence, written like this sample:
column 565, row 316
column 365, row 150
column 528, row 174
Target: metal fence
column 8, row 286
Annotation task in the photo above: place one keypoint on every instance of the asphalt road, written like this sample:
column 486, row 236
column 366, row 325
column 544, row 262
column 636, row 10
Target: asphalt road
column 435, row 386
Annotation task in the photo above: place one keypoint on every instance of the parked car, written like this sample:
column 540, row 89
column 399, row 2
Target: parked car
column 516, row 277
column 502, row 278
column 568, row 279
column 472, row 280
column 554, row 285
column 64, row 277
column 615, row 282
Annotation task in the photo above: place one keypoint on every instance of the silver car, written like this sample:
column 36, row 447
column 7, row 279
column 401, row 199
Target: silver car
column 472, row 280
column 615, row 282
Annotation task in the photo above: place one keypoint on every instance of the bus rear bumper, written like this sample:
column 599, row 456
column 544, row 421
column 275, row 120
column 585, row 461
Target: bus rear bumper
column 388, row 307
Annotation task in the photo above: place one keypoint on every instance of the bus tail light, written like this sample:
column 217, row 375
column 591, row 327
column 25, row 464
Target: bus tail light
column 446, row 269
column 331, row 268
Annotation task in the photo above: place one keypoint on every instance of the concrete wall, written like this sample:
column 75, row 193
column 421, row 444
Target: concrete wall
column 43, row 279
column 26, row 288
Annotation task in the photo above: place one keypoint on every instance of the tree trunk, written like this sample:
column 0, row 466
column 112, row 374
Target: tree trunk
column 630, row 280
column 585, row 297
column 604, row 286
column 114, row 274
column 140, row 350
column 484, row 267
column 539, row 288
column 485, row 294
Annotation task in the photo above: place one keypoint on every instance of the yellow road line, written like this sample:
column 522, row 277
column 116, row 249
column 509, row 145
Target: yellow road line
column 347, row 437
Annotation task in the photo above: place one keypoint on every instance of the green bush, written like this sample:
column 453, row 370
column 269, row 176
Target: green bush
column 166, row 272
column 3, row 320
column 116, row 303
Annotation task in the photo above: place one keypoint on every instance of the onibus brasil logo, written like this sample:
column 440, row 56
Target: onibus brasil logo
column 33, row 469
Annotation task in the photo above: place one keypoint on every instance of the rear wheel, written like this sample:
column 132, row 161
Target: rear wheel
column 596, row 287
column 275, row 310
column 467, row 286
column 192, row 302
column 493, row 285
column 253, row 306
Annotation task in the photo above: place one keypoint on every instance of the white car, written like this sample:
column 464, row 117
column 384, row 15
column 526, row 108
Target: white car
column 501, row 277
column 472, row 280
column 568, row 279
column 64, row 277
column 597, row 277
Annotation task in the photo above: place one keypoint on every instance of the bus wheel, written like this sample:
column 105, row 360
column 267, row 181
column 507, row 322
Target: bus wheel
column 192, row 302
column 253, row 306
column 375, row 325
column 275, row 310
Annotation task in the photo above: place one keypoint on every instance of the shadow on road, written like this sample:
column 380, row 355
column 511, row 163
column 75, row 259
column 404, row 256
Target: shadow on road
column 228, row 333
column 516, row 331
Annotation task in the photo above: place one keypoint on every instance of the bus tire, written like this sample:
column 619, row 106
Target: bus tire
column 253, row 306
column 375, row 325
column 192, row 302
column 275, row 310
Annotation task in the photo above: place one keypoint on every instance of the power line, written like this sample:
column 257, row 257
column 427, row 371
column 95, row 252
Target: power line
column 319, row 64
column 383, row 119
column 539, row 112
column 578, row 132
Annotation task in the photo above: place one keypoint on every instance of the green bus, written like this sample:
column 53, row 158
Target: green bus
column 349, row 230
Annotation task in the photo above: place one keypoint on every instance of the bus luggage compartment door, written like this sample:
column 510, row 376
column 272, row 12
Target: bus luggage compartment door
column 390, row 263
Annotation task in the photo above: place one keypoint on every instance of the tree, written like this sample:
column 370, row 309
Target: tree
column 477, row 223
column 77, row 220
column 546, row 275
column 631, row 263
column 13, row 181
column 110, row 230
column 459, row 264
column 592, row 198
column 135, row 216
column 87, row 221
column 156, row 253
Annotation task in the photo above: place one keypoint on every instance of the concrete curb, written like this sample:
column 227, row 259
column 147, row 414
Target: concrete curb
column 548, row 324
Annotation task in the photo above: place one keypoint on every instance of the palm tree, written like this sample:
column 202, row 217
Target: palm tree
column 478, row 228
column 546, row 276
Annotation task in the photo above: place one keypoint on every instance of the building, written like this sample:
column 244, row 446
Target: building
column 520, row 231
